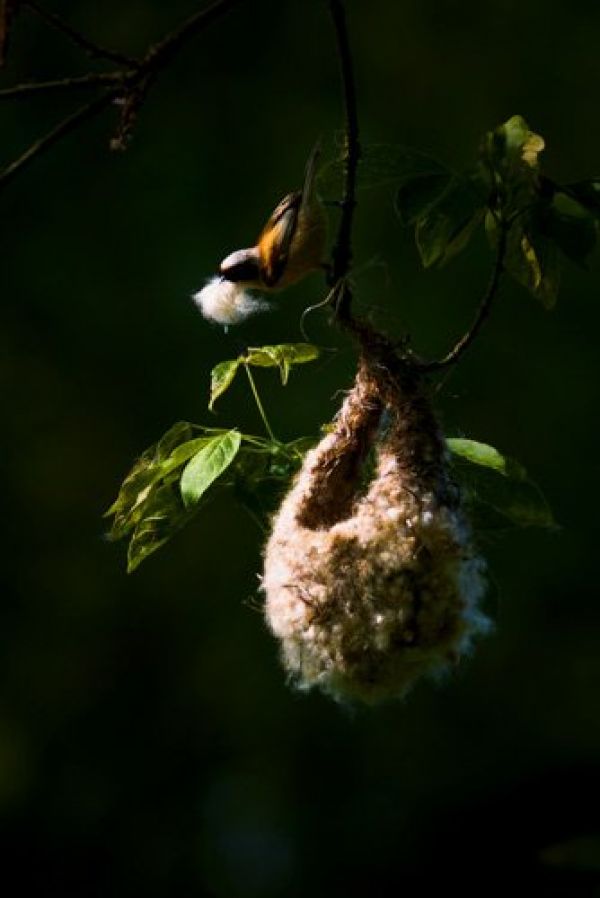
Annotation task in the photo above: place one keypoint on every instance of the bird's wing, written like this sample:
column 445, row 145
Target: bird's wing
column 276, row 238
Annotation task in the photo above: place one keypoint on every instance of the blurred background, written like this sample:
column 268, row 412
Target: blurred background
column 149, row 744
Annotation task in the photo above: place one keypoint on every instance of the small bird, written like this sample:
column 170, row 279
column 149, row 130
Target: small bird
column 290, row 245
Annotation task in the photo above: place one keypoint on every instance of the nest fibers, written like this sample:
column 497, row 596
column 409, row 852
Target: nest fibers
column 370, row 576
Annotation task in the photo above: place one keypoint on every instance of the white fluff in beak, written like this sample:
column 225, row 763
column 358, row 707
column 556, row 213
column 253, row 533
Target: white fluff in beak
column 227, row 303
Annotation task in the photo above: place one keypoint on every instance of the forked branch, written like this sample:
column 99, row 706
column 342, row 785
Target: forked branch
column 129, row 83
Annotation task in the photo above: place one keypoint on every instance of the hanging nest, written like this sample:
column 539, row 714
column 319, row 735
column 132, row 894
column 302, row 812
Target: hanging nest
column 370, row 576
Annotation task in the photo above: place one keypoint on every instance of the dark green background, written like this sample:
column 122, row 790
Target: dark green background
column 149, row 744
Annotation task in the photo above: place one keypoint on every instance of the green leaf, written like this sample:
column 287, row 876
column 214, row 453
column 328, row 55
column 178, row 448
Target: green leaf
column 184, row 452
column 497, row 488
column 207, row 465
column 512, row 148
column 510, row 155
column 259, row 480
column 281, row 356
column 164, row 515
column 157, row 467
column 531, row 257
column 177, row 434
column 447, row 225
column 126, row 510
column 533, row 260
column 221, row 378
column 486, row 456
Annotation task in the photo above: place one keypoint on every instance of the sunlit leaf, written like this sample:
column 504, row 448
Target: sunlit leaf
column 510, row 155
column 184, row 452
column 282, row 356
column 221, row 378
column 497, row 488
column 207, row 465
column 540, row 272
column 177, row 434
column 127, row 509
column 486, row 456
column 531, row 257
column 164, row 515
column 157, row 467
column 512, row 146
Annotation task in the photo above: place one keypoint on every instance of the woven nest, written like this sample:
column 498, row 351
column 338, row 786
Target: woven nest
column 370, row 576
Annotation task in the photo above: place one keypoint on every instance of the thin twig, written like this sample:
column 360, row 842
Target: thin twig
column 94, row 79
column 482, row 312
column 90, row 47
column 133, row 80
column 342, row 249
column 161, row 53
column 61, row 130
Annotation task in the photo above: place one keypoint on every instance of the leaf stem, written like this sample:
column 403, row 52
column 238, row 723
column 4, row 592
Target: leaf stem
column 259, row 404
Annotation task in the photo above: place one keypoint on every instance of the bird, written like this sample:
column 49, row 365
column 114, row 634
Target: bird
column 290, row 245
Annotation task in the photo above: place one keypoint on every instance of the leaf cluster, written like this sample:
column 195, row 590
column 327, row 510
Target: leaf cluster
column 497, row 490
column 191, row 463
column 171, row 481
column 503, row 188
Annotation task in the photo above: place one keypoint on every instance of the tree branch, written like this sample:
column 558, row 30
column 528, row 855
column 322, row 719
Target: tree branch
column 93, row 80
column 161, row 53
column 132, row 81
column 61, row 130
column 342, row 249
column 89, row 47
column 482, row 313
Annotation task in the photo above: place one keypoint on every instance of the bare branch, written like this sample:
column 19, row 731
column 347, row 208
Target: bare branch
column 89, row 47
column 132, row 82
column 93, row 80
column 161, row 53
column 482, row 312
column 61, row 130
